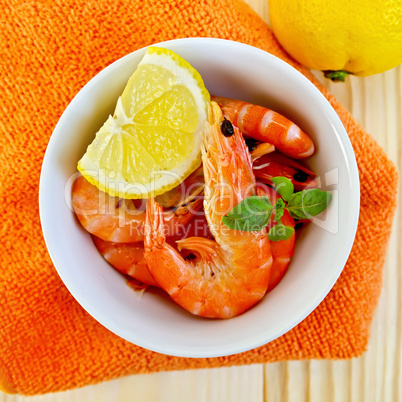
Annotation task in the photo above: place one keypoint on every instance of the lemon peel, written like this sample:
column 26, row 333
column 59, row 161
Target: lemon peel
column 356, row 37
column 153, row 140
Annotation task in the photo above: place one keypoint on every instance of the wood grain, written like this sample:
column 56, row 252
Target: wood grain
column 376, row 103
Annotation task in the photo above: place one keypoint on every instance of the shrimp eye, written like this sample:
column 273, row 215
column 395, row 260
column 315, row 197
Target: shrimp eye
column 227, row 128
column 300, row 176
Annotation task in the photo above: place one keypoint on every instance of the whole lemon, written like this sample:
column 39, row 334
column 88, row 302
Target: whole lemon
column 361, row 37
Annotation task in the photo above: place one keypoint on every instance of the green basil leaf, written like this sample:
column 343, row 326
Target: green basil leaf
column 251, row 214
column 308, row 203
column 283, row 186
column 279, row 209
column 280, row 232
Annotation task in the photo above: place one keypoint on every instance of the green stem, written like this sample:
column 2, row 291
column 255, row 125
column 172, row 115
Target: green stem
column 338, row 75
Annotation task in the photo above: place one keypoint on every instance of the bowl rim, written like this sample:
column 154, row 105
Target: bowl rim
column 260, row 338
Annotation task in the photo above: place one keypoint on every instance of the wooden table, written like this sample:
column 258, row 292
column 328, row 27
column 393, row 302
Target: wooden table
column 376, row 103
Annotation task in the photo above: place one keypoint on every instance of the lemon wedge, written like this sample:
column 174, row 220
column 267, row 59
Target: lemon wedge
column 153, row 140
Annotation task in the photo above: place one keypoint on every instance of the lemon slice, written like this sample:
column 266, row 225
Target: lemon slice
column 153, row 140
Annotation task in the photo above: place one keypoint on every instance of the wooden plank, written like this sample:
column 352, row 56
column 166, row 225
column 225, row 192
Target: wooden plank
column 275, row 382
column 297, row 384
column 231, row 384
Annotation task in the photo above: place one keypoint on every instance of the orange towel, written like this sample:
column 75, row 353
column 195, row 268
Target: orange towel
column 50, row 49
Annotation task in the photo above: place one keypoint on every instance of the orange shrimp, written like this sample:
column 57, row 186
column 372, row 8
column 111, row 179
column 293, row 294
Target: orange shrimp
column 282, row 250
column 267, row 126
column 118, row 220
column 231, row 273
column 274, row 164
column 128, row 258
column 122, row 221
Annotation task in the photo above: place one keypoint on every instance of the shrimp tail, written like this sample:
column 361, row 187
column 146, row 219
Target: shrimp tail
column 268, row 126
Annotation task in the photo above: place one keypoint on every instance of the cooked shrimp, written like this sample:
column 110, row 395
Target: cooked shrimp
column 267, row 126
column 282, row 250
column 128, row 258
column 231, row 273
column 122, row 221
column 274, row 164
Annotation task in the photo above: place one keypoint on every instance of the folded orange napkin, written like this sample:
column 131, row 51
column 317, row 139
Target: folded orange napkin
column 49, row 51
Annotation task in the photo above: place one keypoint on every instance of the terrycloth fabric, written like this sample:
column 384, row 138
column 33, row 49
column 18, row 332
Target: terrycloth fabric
column 49, row 50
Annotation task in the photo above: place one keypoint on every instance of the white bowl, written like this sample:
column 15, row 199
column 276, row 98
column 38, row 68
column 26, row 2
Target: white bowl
column 229, row 69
